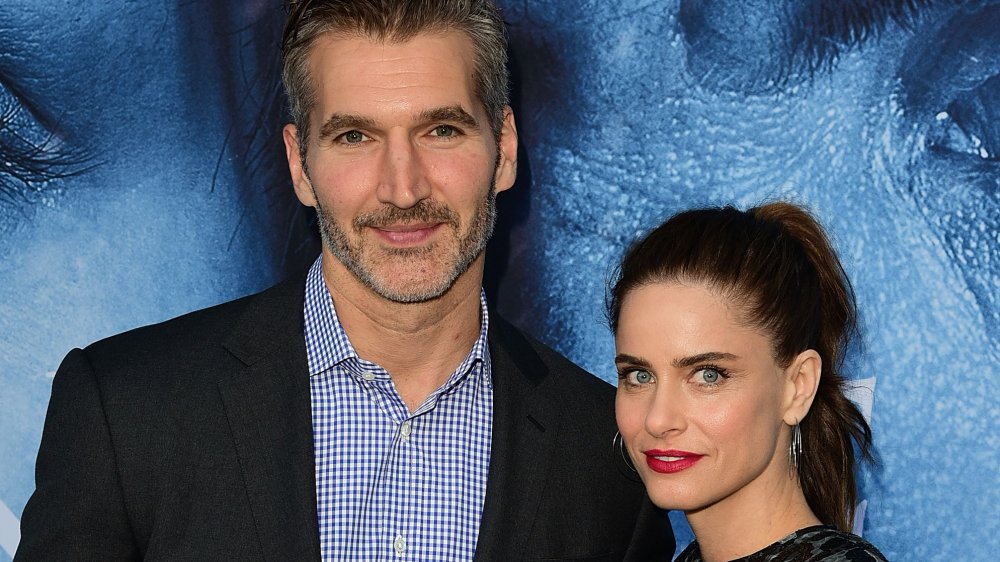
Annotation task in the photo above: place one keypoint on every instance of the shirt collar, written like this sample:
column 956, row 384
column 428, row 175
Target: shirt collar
column 327, row 343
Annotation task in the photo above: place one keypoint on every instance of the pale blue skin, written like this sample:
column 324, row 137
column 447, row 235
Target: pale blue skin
column 624, row 116
column 632, row 110
column 161, row 216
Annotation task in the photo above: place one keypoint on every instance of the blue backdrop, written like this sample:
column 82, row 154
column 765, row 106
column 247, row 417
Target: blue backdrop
column 143, row 175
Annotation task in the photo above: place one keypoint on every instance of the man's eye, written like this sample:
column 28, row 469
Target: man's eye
column 353, row 137
column 445, row 131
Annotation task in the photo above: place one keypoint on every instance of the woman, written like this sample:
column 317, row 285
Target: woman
column 730, row 327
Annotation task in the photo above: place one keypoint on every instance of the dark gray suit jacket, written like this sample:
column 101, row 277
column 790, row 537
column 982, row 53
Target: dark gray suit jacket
column 192, row 440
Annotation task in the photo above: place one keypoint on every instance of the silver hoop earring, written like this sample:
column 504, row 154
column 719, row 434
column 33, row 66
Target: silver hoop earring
column 617, row 442
column 795, row 447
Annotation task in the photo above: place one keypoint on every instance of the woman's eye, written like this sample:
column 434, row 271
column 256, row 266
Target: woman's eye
column 639, row 377
column 708, row 375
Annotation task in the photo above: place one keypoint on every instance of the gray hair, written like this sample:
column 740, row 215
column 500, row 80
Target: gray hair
column 397, row 21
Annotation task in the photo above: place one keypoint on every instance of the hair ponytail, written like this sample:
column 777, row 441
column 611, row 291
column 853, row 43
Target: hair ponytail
column 834, row 424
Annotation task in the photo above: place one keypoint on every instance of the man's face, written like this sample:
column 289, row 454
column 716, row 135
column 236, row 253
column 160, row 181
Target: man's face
column 402, row 166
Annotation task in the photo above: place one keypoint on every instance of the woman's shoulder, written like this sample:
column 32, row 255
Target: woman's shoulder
column 821, row 543
column 826, row 543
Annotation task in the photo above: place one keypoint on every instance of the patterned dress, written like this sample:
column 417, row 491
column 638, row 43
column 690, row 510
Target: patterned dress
column 821, row 543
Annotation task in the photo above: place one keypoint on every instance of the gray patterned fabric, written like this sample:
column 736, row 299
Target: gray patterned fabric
column 822, row 543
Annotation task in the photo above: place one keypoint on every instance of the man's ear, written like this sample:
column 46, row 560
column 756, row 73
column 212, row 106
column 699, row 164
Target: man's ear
column 802, row 381
column 300, row 180
column 506, row 171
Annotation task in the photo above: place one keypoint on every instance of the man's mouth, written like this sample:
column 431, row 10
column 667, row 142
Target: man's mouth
column 406, row 234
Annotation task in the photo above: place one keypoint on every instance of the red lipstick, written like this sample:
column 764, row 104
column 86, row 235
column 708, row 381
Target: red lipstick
column 671, row 460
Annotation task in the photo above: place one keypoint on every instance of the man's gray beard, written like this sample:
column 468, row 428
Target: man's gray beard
column 469, row 247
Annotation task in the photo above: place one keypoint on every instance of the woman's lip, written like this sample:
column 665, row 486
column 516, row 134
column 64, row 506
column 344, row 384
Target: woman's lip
column 670, row 453
column 671, row 460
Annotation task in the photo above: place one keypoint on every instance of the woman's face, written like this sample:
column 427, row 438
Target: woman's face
column 700, row 401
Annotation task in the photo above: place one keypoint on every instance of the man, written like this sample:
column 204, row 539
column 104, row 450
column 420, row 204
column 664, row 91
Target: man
column 375, row 409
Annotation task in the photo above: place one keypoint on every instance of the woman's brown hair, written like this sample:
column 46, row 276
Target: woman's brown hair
column 776, row 264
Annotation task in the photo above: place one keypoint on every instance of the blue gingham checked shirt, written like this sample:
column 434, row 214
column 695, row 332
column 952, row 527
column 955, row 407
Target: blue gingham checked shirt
column 393, row 485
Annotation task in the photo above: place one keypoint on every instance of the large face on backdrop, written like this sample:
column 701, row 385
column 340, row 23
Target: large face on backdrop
column 883, row 124
column 141, row 176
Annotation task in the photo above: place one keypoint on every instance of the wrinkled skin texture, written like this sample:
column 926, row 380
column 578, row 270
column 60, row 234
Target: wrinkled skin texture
column 632, row 110
column 160, row 185
column 177, row 197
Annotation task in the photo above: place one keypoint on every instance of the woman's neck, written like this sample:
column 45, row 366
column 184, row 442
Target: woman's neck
column 750, row 520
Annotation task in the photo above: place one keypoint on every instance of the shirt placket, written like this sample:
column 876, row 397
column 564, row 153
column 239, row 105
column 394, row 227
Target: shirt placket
column 408, row 507
column 397, row 487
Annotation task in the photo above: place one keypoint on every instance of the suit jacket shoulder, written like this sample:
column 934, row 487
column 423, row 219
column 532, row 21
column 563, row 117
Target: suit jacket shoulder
column 187, row 439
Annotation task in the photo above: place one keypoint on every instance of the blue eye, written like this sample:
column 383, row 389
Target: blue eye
column 709, row 375
column 639, row 377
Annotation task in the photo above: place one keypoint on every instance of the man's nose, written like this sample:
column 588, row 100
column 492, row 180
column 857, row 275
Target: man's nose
column 403, row 181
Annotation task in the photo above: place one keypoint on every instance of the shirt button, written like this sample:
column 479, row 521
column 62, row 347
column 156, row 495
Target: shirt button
column 399, row 545
column 368, row 375
column 406, row 429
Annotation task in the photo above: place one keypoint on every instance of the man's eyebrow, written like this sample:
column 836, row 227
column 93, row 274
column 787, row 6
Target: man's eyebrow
column 449, row 114
column 339, row 122
column 820, row 30
column 707, row 357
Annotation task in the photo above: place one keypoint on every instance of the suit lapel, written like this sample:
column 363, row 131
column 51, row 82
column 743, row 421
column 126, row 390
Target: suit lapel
column 268, row 407
column 523, row 431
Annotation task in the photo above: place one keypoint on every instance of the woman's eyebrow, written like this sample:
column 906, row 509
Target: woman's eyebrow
column 706, row 357
column 680, row 362
column 627, row 359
